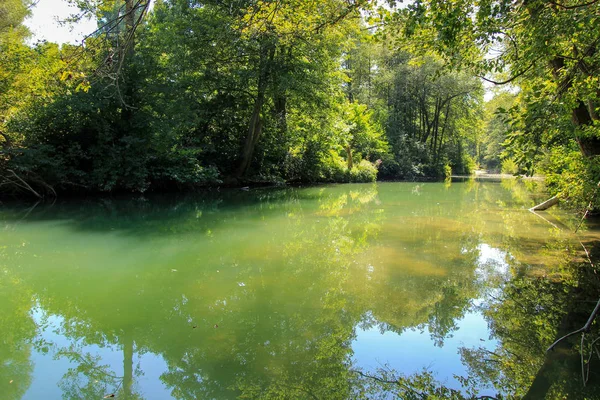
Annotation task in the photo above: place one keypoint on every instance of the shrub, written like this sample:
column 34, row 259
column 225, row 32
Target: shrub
column 363, row 172
column 509, row 166
column 334, row 168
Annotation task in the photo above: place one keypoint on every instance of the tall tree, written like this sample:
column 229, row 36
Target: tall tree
column 552, row 44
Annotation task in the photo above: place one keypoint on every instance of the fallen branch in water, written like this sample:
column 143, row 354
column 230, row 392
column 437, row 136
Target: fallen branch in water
column 23, row 184
column 545, row 205
column 12, row 179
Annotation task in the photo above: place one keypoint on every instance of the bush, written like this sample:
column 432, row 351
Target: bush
column 509, row 166
column 180, row 167
column 469, row 164
column 334, row 169
column 363, row 172
column 389, row 167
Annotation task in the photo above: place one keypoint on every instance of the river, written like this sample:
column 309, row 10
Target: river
column 320, row 292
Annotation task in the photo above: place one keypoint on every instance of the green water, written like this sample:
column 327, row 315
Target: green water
column 273, row 293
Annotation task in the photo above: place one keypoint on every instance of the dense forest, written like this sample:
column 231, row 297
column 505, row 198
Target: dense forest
column 178, row 94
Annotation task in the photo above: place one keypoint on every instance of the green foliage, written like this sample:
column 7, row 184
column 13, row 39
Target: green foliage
column 496, row 130
column 213, row 93
column 572, row 177
column 447, row 171
column 430, row 116
column 548, row 50
column 333, row 168
column 363, row 172
column 509, row 166
column 12, row 14
column 363, row 133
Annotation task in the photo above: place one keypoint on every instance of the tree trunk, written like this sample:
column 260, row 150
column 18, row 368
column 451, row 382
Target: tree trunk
column 349, row 160
column 446, row 117
column 6, row 143
column 255, row 125
column 546, row 204
column 584, row 114
column 254, row 130
column 128, row 88
column 435, row 129
column 589, row 146
column 280, row 100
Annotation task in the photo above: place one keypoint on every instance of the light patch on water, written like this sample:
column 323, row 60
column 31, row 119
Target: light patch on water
column 491, row 262
column 391, row 259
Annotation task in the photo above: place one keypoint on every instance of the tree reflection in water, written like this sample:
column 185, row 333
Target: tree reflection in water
column 259, row 295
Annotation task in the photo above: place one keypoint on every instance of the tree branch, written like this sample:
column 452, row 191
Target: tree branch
column 7, row 141
column 519, row 74
column 573, row 7
column 25, row 184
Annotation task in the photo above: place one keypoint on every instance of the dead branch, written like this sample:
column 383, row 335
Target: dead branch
column 585, row 328
column 25, row 184
column 545, row 205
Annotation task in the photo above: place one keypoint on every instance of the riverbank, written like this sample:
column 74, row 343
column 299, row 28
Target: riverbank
column 233, row 184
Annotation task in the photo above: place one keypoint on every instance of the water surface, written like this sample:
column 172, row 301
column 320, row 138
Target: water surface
column 268, row 293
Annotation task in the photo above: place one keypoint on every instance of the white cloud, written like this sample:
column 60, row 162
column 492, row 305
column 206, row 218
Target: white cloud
column 44, row 24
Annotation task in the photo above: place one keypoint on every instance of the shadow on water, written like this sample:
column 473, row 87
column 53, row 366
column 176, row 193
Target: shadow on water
column 267, row 293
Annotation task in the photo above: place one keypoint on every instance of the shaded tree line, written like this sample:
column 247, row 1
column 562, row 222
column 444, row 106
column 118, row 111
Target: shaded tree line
column 195, row 93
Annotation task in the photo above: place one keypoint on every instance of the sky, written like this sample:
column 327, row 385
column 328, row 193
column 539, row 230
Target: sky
column 44, row 25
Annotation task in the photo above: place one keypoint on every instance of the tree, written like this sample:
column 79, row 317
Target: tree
column 12, row 35
column 547, row 48
column 496, row 130
column 429, row 114
column 279, row 27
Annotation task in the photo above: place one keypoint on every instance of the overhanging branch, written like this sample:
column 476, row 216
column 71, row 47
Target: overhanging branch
column 519, row 74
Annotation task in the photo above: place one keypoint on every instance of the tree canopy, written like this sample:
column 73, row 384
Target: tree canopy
column 193, row 93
